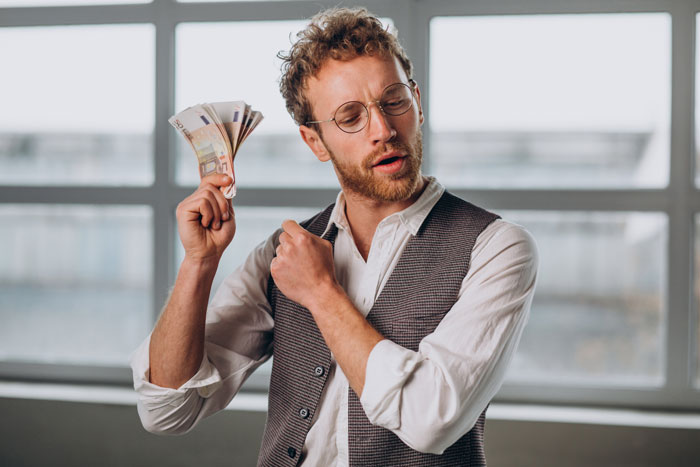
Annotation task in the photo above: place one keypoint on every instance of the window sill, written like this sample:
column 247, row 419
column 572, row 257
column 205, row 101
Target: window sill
column 258, row 403
column 106, row 395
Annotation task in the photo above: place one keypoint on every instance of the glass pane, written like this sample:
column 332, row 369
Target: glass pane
column 598, row 315
column 696, row 275
column 81, row 108
column 75, row 287
column 556, row 101
column 253, row 225
column 7, row 3
column 697, row 100
column 274, row 155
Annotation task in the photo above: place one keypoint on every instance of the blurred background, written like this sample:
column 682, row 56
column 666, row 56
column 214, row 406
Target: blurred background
column 574, row 119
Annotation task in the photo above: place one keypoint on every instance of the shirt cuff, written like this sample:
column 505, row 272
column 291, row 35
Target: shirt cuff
column 206, row 381
column 388, row 367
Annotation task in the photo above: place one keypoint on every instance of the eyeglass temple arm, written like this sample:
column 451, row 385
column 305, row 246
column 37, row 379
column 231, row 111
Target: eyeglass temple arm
column 319, row 121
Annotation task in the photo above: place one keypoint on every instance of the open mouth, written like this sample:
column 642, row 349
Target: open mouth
column 392, row 164
column 389, row 160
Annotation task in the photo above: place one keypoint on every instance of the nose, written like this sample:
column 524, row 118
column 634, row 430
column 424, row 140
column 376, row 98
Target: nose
column 379, row 125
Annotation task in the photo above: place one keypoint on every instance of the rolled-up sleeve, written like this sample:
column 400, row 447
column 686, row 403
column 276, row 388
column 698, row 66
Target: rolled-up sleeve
column 432, row 397
column 238, row 339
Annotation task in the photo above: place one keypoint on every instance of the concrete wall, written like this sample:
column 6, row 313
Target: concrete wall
column 49, row 433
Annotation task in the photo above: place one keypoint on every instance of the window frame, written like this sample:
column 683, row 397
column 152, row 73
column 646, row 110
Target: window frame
column 679, row 201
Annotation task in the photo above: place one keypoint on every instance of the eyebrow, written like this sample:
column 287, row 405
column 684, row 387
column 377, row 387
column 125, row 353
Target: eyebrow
column 380, row 94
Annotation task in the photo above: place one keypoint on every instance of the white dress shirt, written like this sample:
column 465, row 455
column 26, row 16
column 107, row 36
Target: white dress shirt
column 429, row 398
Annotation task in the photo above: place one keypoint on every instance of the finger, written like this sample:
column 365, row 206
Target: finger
column 284, row 237
column 223, row 203
column 216, row 180
column 206, row 211
column 229, row 208
column 214, row 203
column 190, row 209
column 292, row 228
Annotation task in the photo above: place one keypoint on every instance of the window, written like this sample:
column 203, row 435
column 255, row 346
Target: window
column 73, row 116
column 697, row 102
column 696, row 295
column 598, row 315
column 77, row 278
column 75, row 286
column 551, row 101
column 573, row 120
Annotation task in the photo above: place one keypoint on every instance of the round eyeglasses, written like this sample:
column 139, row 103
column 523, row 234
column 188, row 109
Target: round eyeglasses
column 351, row 117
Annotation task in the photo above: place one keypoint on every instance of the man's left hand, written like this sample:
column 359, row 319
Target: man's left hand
column 303, row 268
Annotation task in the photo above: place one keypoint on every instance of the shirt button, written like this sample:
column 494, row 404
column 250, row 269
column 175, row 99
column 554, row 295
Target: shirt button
column 304, row 413
column 319, row 370
column 292, row 452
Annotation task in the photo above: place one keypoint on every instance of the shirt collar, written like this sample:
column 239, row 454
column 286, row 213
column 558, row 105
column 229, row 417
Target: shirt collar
column 412, row 217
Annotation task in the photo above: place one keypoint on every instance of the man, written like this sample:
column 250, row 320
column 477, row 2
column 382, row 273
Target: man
column 392, row 314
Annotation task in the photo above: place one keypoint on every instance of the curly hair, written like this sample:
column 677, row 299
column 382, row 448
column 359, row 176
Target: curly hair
column 339, row 34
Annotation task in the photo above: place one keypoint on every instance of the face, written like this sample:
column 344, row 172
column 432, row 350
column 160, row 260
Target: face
column 383, row 160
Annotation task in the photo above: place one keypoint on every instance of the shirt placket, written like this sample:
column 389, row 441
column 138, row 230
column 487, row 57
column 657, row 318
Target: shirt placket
column 380, row 254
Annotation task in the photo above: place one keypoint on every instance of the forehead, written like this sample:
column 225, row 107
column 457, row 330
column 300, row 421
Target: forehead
column 359, row 79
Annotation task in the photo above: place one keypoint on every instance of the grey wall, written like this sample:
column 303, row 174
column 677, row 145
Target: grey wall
column 48, row 433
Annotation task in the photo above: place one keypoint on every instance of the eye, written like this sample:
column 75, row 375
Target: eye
column 394, row 103
column 348, row 119
column 350, row 114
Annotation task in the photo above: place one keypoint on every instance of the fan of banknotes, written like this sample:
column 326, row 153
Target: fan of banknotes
column 216, row 131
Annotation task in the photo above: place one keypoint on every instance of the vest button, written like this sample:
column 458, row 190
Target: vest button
column 292, row 452
column 319, row 370
column 304, row 413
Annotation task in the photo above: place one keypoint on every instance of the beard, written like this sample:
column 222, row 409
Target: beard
column 363, row 180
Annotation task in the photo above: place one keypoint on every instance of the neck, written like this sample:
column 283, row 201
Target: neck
column 364, row 215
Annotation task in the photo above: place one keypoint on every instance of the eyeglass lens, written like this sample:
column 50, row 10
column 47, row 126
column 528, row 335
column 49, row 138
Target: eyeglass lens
column 396, row 99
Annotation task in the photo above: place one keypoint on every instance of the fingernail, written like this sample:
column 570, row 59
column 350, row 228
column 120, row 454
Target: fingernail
column 224, row 216
column 217, row 226
column 226, row 179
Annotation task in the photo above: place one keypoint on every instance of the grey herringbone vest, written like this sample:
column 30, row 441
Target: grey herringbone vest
column 419, row 292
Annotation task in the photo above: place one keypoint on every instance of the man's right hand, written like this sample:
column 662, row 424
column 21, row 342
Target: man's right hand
column 205, row 220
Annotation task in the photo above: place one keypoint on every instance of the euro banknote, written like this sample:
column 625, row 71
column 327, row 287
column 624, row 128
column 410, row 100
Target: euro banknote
column 215, row 131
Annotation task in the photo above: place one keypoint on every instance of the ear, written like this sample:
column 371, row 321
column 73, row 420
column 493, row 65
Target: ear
column 314, row 142
column 420, row 107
